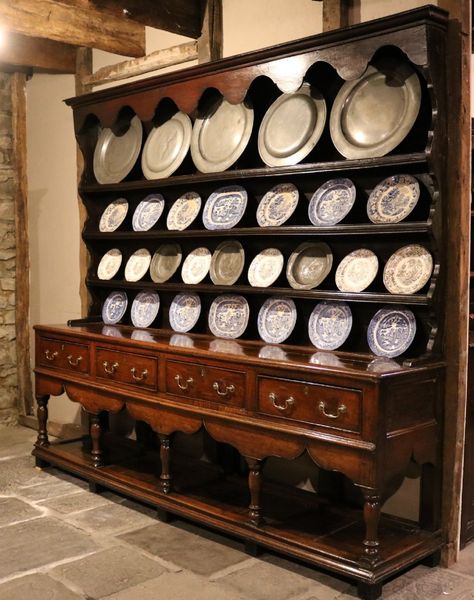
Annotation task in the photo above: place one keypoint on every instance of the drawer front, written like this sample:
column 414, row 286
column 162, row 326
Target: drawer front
column 313, row 403
column 191, row 380
column 64, row 355
column 124, row 367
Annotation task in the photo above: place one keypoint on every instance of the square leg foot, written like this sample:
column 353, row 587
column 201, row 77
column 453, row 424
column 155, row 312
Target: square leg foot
column 369, row 591
column 164, row 516
column 432, row 560
column 40, row 463
column 252, row 548
column 96, row 488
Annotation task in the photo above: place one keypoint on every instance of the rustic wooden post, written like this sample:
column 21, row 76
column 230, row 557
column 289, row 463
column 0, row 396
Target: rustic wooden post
column 210, row 44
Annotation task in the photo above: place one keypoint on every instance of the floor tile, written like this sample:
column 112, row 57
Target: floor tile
column 111, row 519
column 20, row 471
column 50, row 489
column 75, row 502
column 13, row 510
column 36, row 587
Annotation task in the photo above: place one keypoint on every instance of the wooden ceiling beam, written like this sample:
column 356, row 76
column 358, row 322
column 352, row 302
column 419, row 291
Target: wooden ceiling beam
column 23, row 51
column 74, row 22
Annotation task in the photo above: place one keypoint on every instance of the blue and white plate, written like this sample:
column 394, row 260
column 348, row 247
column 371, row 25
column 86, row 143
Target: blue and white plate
column 393, row 199
column 225, row 207
column 196, row 265
column 331, row 202
column 265, row 268
column 113, row 216
column 145, row 309
column 137, row 265
column 109, row 264
column 391, row 331
column 277, row 205
column 357, row 270
column 329, row 325
column 184, row 211
column 184, row 312
column 148, row 212
column 276, row 319
column 114, row 307
column 229, row 316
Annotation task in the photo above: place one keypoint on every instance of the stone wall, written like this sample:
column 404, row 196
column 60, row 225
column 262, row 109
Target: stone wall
column 8, row 366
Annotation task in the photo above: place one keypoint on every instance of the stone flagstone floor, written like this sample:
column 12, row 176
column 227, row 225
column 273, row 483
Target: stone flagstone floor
column 60, row 542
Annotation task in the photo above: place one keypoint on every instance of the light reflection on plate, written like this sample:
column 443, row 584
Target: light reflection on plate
column 225, row 347
column 272, row 353
column 181, row 340
column 326, row 359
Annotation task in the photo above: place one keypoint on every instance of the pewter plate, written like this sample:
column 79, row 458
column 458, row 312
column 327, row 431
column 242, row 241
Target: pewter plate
column 116, row 155
column 196, row 265
column 113, row 216
column 331, row 202
column 137, row 265
column 292, row 126
column 276, row 319
column 184, row 312
column 165, row 262
column 309, row 265
column 184, row 211
column 391, row 331
column 114, row 307
column 229, row 316
column 277, row 205
column 329, row 325
column 148, row 212
column 265, row 268
column 145, row 309
column 357, row 270
column 225, row 207
column 220, row 136
column 227, row 263
column 373, row 114
column 408, row 270
column 109, row 264
column 393, row 199
column 166, row 146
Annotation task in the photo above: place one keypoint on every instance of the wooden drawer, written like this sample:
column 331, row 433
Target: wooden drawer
column 205, row 383
column 58, row 354
column 125, row 367
column 314, row 403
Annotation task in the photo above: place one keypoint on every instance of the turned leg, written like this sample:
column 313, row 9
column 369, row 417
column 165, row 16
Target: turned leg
column 255, row 484
column 96, row 433
column 369, row 591
column 42, row 414
column 165, row 476
column 371, row 518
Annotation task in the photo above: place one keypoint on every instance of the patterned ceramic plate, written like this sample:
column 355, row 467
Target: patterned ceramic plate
column 114, row 307
column 309, row 265
column 329, row 325
column 331, row 202
column 225, row 207
column 277, row 205
column 408, row 270
column 391, row 331
column 113, row 216
column 184, row 211
column 148, row 212
column 229, row 316
column 276, row 319
column 357, row 270
column 184, row 312
column 292, row 126
column 196, row 265
column 145, row 309
column 109, row 264
column 227, row 263
column 165, row 262
column 137, row 265
column 393, row 199
column 265, row 268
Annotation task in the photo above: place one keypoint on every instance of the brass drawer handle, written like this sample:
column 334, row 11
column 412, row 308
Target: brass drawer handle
column 341, row 409
column 72, row 362
column 50, row 355
column 187, row 382
column 228, row 389
column 110, row 370
column 136, row 377
column 285, row 405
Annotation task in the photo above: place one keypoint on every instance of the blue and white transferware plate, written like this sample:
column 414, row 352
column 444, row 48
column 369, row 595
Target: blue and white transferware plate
column 331, row 202
column 408, row 269
column 229, row 316
column 148, row 212
column 357, row 270
column 137, row 265
column 276, row 319
column 391, row 331
column 113, row 216
column 277, row 205
column 265, row 268
column 109, row 264
column 145, row 309
column 329, row 325
column 184, row 211
column 184, row 312
column 114, row 307
column 196, row 265
column 225, row 207
column 393, row 199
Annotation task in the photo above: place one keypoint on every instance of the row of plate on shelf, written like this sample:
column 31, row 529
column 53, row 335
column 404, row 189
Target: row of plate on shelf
column 390, row 333
column 370, row 116
column 406, row 271
column 391, row 201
